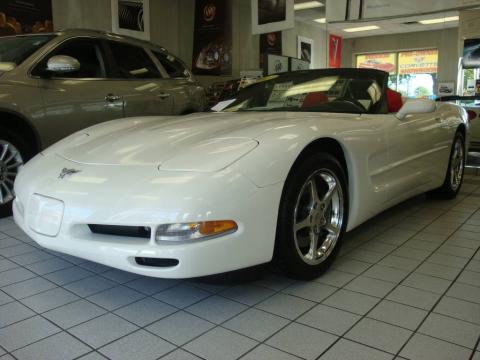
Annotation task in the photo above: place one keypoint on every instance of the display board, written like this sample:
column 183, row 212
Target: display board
column 25, row 16
column 471, row 54
column 334, row 51
column 131, row 17
column 270, row 43
column 418, row 62
column 274, row 64
column 212, row 39
column 380, row 61
column 272, row 15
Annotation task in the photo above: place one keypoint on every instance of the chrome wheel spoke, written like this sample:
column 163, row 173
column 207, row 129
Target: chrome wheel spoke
column 313, row 251
column 314, row 191
column 10, row 163
column 320, row 202
column 4, row 151
column 305, row 223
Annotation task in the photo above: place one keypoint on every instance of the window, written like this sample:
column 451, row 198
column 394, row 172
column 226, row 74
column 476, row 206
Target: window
column 383, row 61
column 132, row 62
column 88, row 54
column 412, row 73
column 173, row 66
column 17, row 49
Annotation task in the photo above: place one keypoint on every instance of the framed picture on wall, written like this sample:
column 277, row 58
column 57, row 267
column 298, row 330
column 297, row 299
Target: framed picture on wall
column 131, row 17
column 305, row 49
column 272, row 15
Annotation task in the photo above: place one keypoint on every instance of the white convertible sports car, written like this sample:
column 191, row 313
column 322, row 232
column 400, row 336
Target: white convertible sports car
column 282, row 171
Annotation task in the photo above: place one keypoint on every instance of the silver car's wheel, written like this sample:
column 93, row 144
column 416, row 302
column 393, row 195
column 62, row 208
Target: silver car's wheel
column 457, row 164
column 318, row 217
column 10, row 163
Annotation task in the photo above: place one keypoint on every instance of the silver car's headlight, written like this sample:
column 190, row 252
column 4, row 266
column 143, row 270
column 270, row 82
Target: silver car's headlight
column 195, row 230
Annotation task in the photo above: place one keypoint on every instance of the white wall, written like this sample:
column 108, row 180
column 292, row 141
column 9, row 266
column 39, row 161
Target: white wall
column 445, row 40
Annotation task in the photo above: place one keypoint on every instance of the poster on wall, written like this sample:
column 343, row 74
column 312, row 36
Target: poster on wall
column 446, row 88
column 305, row 49
column 25, row 16
column 132, row 18
column 418, row 62
column 380, row 61
column 471, row 53
column 272, row 15
column 270, row 43
column 212, row 38
column 334, row 51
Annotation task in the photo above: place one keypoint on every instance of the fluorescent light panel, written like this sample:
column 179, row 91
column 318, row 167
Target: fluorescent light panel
column 307, row 5
column 321, row 20
column 362, row 28
column 439, row 20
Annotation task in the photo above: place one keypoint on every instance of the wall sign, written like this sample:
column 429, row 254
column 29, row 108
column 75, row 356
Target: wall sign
column 446, row 88
column 132, row 18
column 305, row 49
column 270, row 43
column 212, row 38
column 418, row 62
column 25, row 16
column 380, row 61
column 471, row 53
column 335, row 51
column 272, row 15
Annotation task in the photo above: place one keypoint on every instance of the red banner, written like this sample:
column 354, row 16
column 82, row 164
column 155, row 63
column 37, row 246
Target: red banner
column 335, row 51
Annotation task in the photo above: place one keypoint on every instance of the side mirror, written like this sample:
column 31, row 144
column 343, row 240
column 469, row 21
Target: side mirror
column 62, row 64
column 416, row 106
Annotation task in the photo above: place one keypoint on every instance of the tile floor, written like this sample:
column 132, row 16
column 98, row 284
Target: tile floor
column 407, row 286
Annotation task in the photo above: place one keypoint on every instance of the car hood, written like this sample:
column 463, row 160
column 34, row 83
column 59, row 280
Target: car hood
column 204, row 141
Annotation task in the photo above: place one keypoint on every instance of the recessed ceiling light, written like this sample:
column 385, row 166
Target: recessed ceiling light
column 321, row 20
column 362, row 28
column 307, row 5
column 439, row 20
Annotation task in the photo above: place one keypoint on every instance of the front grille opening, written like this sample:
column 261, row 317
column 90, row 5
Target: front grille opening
column 117, row 230
column 156, row 262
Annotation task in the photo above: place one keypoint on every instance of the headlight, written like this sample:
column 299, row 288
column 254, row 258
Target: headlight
column 195, row 230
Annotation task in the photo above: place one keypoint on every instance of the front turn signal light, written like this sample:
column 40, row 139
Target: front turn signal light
column 195, row 230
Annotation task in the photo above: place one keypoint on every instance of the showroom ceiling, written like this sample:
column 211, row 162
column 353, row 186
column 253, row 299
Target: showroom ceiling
column 387, row 26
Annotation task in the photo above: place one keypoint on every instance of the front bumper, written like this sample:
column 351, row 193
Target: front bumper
column 143, row 196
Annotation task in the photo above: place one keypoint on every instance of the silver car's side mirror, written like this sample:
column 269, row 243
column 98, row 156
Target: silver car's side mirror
column 416, row 106
column 62, row 64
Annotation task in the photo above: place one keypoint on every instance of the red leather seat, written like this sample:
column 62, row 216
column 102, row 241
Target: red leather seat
column 394, row 101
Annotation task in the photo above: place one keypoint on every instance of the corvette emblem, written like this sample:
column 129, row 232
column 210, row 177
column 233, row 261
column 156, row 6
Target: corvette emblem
column 67, row 172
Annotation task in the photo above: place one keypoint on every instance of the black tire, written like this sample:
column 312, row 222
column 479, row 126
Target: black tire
column 13, row 138
column 449, row 189
column 289, row 254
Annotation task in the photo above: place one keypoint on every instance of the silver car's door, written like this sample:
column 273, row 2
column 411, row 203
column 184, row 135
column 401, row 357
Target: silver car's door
column 187, row 95
column 416, row 147
column 138, row 81
column 76, row 100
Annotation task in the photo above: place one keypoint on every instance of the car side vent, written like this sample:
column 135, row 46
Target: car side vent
column 156, row 262
column 117, row 230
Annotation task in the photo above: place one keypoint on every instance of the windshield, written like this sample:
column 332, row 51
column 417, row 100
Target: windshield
column 16, row 49
column 310, row 91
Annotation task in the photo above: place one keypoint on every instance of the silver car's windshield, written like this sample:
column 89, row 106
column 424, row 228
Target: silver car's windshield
column 16, row 49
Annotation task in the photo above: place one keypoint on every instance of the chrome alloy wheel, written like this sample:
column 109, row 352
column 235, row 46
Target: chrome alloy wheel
column 10, row 163
column 318, row 217
column 457, row 164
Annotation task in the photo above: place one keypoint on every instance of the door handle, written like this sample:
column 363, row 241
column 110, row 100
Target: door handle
column 112, row 98
column 164, row 95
